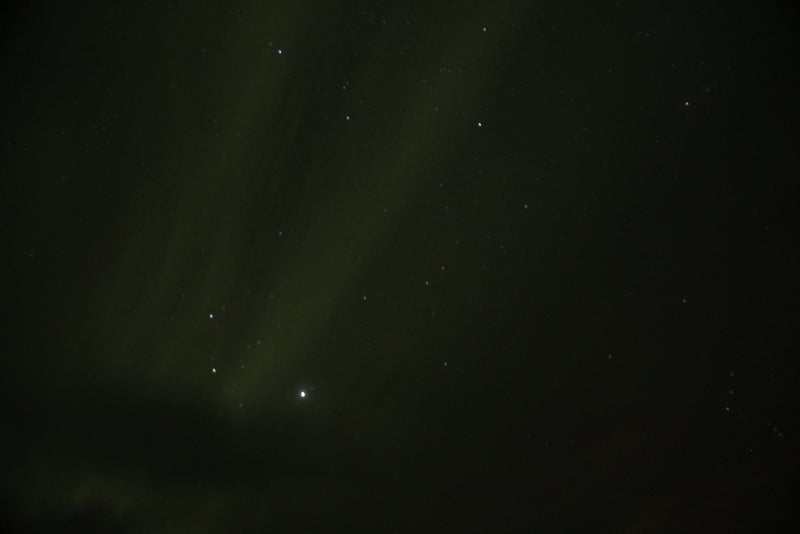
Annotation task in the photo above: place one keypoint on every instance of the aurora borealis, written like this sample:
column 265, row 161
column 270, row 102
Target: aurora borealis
column 399, row 267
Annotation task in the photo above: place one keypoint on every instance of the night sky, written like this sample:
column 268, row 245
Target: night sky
column 388, row 266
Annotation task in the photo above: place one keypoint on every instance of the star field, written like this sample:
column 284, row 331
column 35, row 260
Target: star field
column 399, row 267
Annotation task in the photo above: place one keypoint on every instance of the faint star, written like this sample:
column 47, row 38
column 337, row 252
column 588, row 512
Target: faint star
column 302, row 394
column 210, row 315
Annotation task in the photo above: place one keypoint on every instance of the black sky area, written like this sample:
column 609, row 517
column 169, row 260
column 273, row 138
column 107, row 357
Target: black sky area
column 399, row 267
